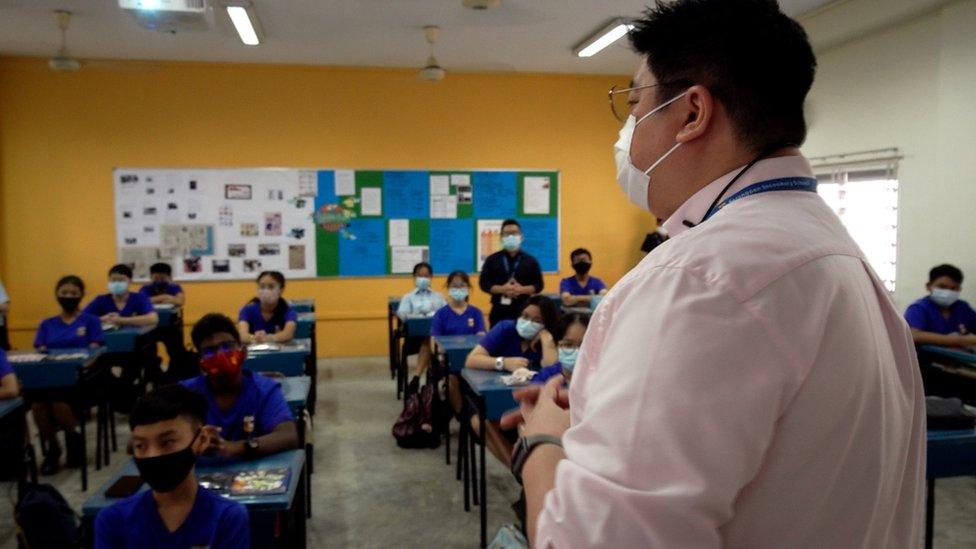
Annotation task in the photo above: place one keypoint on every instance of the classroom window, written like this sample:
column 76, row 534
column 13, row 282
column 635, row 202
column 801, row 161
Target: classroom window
column 866, row 200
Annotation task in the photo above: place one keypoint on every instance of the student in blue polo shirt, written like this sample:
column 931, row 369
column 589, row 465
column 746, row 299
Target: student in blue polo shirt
column 941, row 318
column 161, row 290
column 167, row 437
column 578, row 290
column 120, row 306
column 458, row 317
column 510, row 345
column 69, row 329
column 9, row 388
column 247, row 415
column 268, row 318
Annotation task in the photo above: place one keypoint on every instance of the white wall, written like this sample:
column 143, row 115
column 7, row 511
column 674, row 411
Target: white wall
column 911, row 86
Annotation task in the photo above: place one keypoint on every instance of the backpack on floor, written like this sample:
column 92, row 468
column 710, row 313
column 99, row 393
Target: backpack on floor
column 420, row 424
column 45, row 520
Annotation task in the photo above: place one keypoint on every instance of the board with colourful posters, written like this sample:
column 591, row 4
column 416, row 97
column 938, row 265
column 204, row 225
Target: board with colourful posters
column 214, row 224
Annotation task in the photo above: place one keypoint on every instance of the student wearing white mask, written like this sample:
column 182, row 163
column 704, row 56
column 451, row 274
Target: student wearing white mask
column 268, row 318
column 941, row 318
column 750, row 383
column 510, row 275
column 421, row 301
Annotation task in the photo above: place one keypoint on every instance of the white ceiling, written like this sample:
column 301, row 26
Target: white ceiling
column 520, row 35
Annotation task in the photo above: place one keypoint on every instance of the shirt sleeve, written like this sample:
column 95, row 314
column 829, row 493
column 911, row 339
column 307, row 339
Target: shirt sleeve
column 143, row 306
column 534, row 273
column 598, row 285
column 405, row 308
column 93, row 308
column 5, row 367
column 492, row 342
column 916, row 317
column 274, row 409
column 94, row 331
column 564, row 286
column 175, row 289
column 489, row 275
column 234, row 530
column 479, row 320
column 40, row 339
column 242, row 315
column 291, row 315
column 146, row 290
column 684, row 370
column 437, row 323
column 108, row 530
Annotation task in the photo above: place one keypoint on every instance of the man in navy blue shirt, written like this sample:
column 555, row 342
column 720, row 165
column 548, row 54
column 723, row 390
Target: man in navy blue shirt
column 167, row 437
column 510, row 275
column 161, row 290
column 941, row 318
column 247, row 415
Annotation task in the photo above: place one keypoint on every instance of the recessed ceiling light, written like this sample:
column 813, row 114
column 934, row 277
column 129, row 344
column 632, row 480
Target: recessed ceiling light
column 610, row 33
column 245, row 22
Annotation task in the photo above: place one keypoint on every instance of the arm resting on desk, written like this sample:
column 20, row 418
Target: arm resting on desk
column 286, row 334
column 283, row 437
column 922, row 337
column 150, row 319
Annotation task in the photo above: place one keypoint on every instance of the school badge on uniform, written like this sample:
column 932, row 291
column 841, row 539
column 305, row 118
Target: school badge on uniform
column 82, row 331
column 470, row 323
column 248, row 424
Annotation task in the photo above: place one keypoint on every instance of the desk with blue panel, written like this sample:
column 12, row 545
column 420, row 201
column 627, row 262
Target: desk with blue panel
column 393, row 329
column 288, row 359
column 306, row 330
column 277, row 520
column 13, row 424
column 412, row 327
column 456, row 350
column 948, row 454
column 70, row 375
column 302, row 305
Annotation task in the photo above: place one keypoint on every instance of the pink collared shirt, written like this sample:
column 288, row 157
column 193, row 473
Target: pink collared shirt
column 748, row 384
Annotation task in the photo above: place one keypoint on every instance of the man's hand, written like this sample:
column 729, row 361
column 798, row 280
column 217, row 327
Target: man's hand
column 530, row 397
column 511, row 289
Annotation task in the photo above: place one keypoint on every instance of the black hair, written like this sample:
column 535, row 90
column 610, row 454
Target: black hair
column 950, row 271
column 70, row 279
column 281, row 309
column 580, row 251
column 166, row 403
column 210, row 324
column 161, row 268
column 550, row 313
column 421, row 265
column 753, row 58
column 566, row 321
column 508, row 222
column 459, row 274
column 121, row 269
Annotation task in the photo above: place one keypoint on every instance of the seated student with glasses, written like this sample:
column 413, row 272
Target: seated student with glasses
column 512, row 345
column 569, row 338
column 167, row 437
column 247, row 415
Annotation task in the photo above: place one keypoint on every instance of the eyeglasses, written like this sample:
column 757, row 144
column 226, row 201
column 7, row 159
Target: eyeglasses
column 620, row 102
column 568, row 345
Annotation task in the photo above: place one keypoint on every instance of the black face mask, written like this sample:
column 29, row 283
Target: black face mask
column 69, row 304
column 582, row 267
column 164, row 473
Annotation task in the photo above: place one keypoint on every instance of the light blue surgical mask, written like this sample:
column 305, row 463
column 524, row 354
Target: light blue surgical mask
column 567, row 357
column 422, row 282
column 458, row 294
column 511, row 242
column 118, row 287
column 944, row 298
column 527, row 329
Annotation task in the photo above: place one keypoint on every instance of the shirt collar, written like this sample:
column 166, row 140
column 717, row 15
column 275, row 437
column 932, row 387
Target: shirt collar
column 694, row 208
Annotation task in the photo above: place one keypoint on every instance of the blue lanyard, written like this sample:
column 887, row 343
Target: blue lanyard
column 508, row 267
column 807, row 184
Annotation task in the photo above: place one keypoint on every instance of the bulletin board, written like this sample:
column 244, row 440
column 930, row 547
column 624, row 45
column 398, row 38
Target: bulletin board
column 230, row 224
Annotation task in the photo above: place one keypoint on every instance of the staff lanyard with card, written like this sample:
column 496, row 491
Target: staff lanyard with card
column 510, row 270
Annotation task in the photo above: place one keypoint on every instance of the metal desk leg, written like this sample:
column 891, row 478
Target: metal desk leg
column 84, row 455
column 463, row 466
column 483, row 480
column 474, row 469
column 929, row 512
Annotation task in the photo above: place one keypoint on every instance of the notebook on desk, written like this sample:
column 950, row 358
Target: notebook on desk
column 247, row 483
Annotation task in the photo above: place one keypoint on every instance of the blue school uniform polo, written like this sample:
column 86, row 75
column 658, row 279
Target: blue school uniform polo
column 135, row 305
column 572, row 286
column 446, row 322
column 214, row 521
column 261, row 402
column 504, row 341
column 5, row 367
column 251, row 313
column 152, row 289
column 84, row 330
column 926, row 315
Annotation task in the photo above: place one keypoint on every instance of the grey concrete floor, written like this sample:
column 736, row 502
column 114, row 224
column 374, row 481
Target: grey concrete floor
column 367, row 492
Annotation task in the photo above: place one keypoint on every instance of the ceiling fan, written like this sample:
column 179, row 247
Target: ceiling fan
column 432, row 71
column 63, row 61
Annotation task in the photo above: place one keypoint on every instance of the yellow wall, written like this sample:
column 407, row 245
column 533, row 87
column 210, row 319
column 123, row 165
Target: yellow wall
column 61, row 135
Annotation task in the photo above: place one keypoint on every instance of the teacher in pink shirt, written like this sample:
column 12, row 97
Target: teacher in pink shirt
column 749, row 383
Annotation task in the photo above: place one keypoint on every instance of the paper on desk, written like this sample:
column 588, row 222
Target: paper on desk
column 264, row 347
column 522, row 376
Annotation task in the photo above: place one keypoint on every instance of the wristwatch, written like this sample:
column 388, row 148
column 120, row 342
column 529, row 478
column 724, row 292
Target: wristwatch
column 500, row 363
column 251, row 446
column 524, row 447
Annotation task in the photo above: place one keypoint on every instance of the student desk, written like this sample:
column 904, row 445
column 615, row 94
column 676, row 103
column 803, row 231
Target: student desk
column 492, row 398
column 955, row 356
column 9, row 406
column 306, row 330
column 302, row 305
column 277, row 520
column 413, row 326
column 168, row 314
column 296, row 391
column 949, row 454
column 13, row 422
column 68, row 374
column 289, row 359
column 456, row 349
column 129, row 339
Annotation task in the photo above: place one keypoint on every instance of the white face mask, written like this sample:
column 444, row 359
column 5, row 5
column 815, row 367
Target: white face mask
column 633, row 181
column 943, row 297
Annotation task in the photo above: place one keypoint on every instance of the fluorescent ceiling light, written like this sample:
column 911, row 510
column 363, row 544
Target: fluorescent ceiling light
column 242, row 22
column 149, row 4
column 613, row 31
